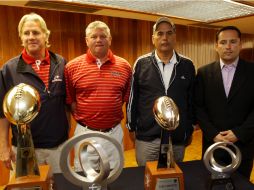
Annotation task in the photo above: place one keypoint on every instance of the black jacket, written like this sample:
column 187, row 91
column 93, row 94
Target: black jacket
column 147, row 86
column 216, row 112
column 50, row 127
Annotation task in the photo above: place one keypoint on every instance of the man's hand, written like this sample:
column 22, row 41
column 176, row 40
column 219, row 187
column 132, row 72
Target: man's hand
column 73, row 107
column 7, row 157
column 229, row 136
column 132, row 136
column 225, row 136
column 6, row 154
column 219, row 138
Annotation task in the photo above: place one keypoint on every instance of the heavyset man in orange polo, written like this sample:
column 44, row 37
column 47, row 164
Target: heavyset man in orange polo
column 98, row 83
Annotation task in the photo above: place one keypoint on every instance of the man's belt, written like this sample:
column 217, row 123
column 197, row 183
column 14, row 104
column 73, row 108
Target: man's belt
column 96, row 129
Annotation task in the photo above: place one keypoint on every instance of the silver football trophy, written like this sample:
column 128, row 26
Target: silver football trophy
column 164, row 173
column 21, row 105
column 96, row 179
column 220, row 174
column 167, row 116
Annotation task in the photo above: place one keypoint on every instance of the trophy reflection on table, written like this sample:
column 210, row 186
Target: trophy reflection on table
column 164, row 173
column 21, row 105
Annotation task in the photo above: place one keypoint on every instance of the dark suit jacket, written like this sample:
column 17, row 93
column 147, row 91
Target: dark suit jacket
column 216, row 112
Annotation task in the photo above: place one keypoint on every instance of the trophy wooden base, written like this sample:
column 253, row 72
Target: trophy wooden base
column 163, row 178
column 31, row 181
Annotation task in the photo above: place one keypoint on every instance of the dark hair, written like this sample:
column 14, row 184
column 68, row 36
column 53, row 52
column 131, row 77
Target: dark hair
column 228, row 28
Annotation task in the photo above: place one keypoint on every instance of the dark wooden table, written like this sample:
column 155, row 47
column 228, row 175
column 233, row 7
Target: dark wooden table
column 196, row 177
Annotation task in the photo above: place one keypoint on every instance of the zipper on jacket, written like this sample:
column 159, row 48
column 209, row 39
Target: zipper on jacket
column 174, row 76
column 47, row 91
column 51, row 76
column 158, row 69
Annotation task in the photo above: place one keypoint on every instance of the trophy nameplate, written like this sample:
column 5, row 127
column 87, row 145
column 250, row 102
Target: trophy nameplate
column 220, row 174
column 21, row 105
column 164, row 174
column 163, row 178
column 96, row 179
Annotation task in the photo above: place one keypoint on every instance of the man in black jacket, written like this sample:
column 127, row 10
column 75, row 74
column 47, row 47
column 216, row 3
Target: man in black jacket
column 43, row 70
column 162, row 72
column 224, row 96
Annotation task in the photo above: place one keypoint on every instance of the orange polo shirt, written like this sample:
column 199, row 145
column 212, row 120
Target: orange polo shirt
column 99, row 92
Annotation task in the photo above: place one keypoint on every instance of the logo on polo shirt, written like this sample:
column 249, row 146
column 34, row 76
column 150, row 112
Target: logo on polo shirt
column 115, row 73
column 57, row 79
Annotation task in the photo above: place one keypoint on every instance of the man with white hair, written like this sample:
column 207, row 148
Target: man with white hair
column 98, row 84
column 44, row 70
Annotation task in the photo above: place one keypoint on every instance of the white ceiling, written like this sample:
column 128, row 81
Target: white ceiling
column 201, row 13
column 199, row 10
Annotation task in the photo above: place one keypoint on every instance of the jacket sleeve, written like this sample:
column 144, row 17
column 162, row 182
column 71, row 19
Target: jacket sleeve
column 70, row 90
column 245, row 130
column 208, row 129
column 191, row 113
column 132, row 105
column 126, row 91
column 2, row 93
column 191, row 96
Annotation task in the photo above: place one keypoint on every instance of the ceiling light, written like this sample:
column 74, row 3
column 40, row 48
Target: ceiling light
column 200, row 10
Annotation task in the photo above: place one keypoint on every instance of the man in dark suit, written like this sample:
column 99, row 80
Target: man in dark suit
column 224, row 99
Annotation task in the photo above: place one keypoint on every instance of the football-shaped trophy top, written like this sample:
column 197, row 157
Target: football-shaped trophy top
column 21, row 104
column 166, row 113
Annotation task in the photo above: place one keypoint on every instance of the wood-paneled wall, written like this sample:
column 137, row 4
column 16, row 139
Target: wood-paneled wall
column 131, row 38
column 198, row 44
